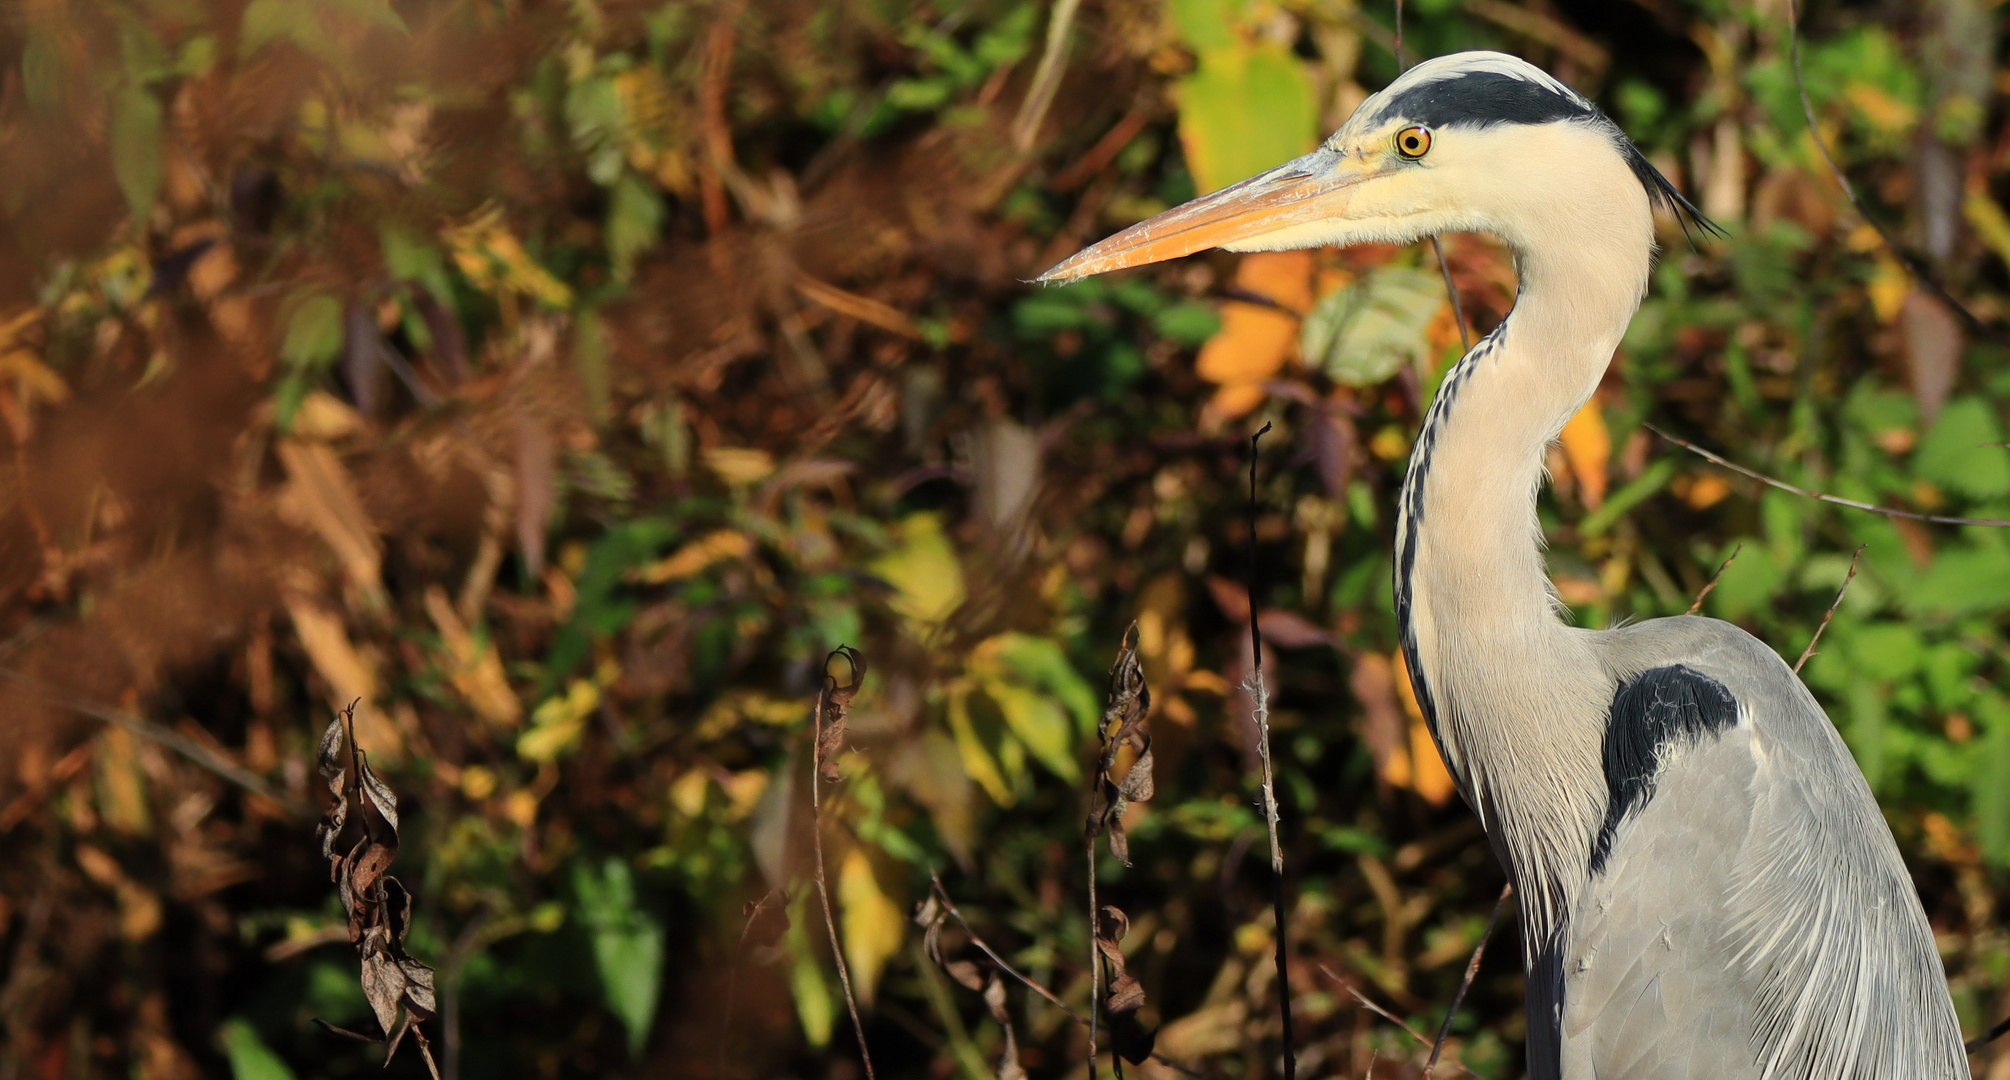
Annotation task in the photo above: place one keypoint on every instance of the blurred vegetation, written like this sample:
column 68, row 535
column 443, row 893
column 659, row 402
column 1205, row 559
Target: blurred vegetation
column 561, row 381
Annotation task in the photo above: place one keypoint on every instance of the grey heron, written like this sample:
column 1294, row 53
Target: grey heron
column 1708, row 888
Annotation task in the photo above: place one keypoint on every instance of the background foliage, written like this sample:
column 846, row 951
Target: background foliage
column 562, row 380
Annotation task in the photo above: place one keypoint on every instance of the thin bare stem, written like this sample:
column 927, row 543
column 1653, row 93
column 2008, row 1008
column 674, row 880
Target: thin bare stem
column 170, row 738
column 1452, row 294
column 823, row 890
column 1398, row 47
column 1259, row 696
column 1047, row 78
column 1831, row 613
column 1913, row 266
column 1931, row 519
column 1472, row 972
column 1712, row 583
column 1028, row 982
column 1369, row 1004
column 1095, row 960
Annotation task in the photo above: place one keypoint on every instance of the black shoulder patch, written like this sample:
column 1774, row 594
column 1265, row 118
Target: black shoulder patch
column 1652, row 713
column 1482, row 99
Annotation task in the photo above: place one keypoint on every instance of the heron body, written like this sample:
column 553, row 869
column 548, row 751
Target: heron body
column 1708, row 889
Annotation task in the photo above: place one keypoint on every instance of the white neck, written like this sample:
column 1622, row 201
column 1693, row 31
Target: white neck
column 1479, row 617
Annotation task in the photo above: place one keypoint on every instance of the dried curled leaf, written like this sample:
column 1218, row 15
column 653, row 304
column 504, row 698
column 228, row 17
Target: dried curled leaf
column 1125, row 995
column 399, row 988
column 833, row 704
column 1129, row 702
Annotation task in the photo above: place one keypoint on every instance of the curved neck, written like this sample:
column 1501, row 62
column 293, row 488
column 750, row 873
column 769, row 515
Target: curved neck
column 1500, row 677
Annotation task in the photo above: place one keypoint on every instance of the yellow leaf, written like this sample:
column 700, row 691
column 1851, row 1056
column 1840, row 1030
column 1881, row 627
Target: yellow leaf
column 28, row 369
column 687, row 792
column 559, row 722
column 1244, row 109
column 320, row 495
column 1587, row 444
column 473, row 667
column 350, row 672
column 923, row 570
column 1884, row 112
column 814, row 1007
column 873, row 924
column 977, row 760
column 697, row 556
column 494, row 260
column 1989, row 220
column 739, row 465
column 1888, row 286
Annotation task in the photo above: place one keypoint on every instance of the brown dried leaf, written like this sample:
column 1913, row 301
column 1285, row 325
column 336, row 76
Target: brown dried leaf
column 834, row 704
column 1137, row 784
column 384, row 986
column 1125, row 995
column 965, row 972
column 329, row 760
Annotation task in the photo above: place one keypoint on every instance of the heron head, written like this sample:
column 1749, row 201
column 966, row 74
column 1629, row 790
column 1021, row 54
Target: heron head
column 1474, row 141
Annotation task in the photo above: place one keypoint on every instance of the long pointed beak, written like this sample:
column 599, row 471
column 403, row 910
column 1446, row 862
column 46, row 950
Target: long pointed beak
column 1292, row 194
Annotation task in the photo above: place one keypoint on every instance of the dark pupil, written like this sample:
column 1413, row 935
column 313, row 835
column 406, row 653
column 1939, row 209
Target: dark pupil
column 1411, row 142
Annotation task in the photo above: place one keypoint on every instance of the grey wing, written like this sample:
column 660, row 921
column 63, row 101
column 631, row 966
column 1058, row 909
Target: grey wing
column 1751, row 916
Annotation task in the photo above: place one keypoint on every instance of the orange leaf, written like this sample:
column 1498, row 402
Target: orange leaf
column 1588, row 446
column 1430, row 778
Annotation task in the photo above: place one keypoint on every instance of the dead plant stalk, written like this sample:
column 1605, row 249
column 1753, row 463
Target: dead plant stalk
column 835, row 698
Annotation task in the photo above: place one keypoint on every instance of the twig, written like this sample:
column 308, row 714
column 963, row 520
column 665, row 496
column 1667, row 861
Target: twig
column 1452, row 292
column 1369, row 1004
column 1913, row 266
column 827, row 695
column 1712, row 583
column 1095, row 957
column 1931, row 519
column 1472, row 972
column 754, row 912
column 1831, row 613
column 1047, row 78
column 1398, row 47
column 170, row 738
column 1976, row 1044
column 1444, row 268
column 1260, row 712
column 942, row 893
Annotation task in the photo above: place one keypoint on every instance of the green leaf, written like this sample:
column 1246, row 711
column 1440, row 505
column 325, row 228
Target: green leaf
column 136, row 148
column 1962, row 581
column 1953, row 456
column 923, row 570
column 266, row 21
column 815, row 1007
column 250, row 1058
column 634, row 221
column 1190, row 324
column 1038, row 722
column 1362, row 334
column 1991, row 780
column 378, row 13
column 1886, row 650
column 1866, row 732
column 1205, row 24
column 1040, row 662
column 313, row 333
column 1749, row 583
column 1245, row 109
column 411, row 257
column 627, row 946
column 1638, row 490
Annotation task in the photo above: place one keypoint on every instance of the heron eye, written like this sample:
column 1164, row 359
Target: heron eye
column 1413, row 142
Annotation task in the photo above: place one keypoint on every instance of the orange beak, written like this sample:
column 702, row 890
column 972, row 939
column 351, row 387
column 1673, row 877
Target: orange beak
column 1292, row 194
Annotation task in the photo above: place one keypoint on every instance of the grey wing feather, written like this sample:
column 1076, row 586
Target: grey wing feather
column 1754, row 918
